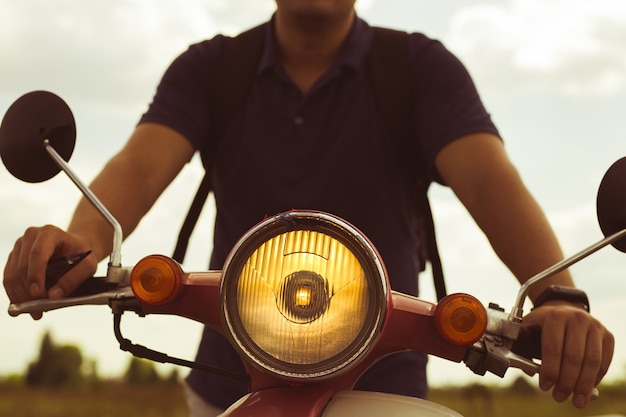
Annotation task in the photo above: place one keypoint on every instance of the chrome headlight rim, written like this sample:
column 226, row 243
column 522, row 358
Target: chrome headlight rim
column 361, row 248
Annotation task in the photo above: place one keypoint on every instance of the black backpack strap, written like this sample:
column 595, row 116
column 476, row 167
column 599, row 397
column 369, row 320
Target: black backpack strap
column 433, row 250
column 390, row 79
column 229, row 83
column 192, row 218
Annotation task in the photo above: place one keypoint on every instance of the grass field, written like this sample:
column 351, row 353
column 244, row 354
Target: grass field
column 112, row 400
column 107, row 401
column 479, row 401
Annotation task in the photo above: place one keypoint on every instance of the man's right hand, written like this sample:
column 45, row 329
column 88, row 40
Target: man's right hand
column 25, row 270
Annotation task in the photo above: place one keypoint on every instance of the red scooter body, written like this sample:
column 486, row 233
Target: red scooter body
column 288, row 281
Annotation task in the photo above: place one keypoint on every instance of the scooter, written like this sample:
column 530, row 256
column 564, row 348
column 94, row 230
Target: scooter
column 303, row 297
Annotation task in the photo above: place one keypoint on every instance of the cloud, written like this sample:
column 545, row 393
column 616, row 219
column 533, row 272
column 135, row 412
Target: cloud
column 112, row 51
column 106, row 58
column 574, row 47
column 66, row 46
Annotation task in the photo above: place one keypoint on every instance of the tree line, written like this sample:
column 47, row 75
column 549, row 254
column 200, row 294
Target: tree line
column 63, row 366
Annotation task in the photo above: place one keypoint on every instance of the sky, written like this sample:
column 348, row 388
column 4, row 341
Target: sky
column 552, row 73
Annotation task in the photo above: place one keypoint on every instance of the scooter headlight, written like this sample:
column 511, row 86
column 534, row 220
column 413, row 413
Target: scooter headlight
column 304, row 295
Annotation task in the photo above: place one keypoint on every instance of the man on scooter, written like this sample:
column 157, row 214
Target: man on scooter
column 308, row 135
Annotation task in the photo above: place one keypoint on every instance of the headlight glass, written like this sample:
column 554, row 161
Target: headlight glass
column 304, row 295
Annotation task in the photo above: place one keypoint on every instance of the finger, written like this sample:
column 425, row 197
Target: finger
column 14, row 286
column 43, row 247
column 552, row 332
column 575, row 353
column 600, row 348
column 590, row 368
column 608, row 348
column 14, row 281
column 23, row 266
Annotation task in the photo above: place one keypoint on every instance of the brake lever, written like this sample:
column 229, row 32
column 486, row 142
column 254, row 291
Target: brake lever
column 527, row 365
column 531, row 367
column 41, row 306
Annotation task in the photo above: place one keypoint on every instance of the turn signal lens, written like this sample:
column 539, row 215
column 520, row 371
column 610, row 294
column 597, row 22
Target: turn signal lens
column 155, row 280
column 461, row 319
column 304, row 295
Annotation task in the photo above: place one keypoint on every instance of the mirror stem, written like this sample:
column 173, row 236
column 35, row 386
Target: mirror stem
column 116, row 255
column 517, row 312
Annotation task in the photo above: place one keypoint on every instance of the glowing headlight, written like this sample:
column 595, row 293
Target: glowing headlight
column 304, row 295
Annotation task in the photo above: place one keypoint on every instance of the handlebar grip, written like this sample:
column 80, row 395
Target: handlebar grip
column 91, row 286
column 62, row 264
column 58, row 267
column 528, row 343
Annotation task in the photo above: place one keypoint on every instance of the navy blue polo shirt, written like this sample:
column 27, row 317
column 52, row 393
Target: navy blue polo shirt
column 324, row 150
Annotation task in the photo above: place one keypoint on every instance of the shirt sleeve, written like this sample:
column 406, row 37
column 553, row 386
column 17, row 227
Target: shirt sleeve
column 448, row 105
column 181, row 98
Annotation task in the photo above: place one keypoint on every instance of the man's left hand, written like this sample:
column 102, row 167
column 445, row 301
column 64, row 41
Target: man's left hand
column 576, row 350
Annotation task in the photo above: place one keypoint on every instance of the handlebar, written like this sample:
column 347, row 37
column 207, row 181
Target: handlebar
column 505, row 344
column 94, row 291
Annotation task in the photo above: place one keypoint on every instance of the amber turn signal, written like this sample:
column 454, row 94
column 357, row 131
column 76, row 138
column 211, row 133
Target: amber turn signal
column 155, row 280
column 461, row 319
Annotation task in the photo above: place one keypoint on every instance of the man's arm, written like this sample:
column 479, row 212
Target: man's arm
column 479, row 172
column 128, row 186
column 576, row 348
column 131, row 182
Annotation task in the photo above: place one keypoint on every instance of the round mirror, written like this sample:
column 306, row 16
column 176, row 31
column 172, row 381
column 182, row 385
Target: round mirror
column 611, row 202
column 32, row 119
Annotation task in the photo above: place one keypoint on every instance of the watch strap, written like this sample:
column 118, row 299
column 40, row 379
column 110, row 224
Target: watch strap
column 563, row 293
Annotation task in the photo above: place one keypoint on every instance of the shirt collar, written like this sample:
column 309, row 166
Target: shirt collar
column 351, row 56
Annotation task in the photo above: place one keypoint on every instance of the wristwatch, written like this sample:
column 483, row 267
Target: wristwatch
column 563, row 293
